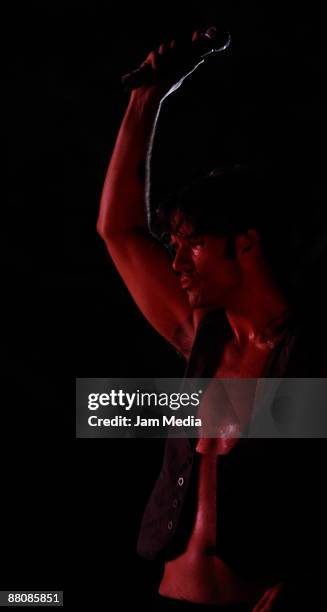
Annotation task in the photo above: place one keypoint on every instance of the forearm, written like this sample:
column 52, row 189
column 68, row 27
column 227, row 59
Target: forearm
column 122, row 206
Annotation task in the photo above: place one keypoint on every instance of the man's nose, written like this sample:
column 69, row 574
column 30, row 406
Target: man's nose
column 182, row 261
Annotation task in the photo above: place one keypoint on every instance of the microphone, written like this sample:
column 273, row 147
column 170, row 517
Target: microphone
column 179, row 60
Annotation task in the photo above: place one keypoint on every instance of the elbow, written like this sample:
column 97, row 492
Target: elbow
column 111, row 234
column 107, row 233
column 104, row 222
column 100, row 229
column 104, row 230
column 106, row 226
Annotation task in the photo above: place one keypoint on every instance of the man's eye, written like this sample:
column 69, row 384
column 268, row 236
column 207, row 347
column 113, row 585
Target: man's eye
column 172, row 248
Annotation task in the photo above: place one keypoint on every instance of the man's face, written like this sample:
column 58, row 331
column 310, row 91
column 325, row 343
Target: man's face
column 209, row 278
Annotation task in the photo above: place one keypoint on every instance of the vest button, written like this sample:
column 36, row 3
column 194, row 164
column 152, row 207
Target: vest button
column 180, row 481
column 170, row 525
column 175, row 503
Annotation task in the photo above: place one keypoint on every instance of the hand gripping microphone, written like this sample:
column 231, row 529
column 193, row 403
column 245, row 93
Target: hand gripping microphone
column 179, row 60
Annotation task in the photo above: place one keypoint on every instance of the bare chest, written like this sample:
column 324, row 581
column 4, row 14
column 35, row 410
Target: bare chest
column 246, row 363
column 229, row 398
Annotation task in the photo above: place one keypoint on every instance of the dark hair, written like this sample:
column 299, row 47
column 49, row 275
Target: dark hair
column 230, row 200
column 227, row 200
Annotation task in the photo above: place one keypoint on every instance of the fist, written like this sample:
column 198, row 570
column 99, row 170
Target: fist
column 170, row 63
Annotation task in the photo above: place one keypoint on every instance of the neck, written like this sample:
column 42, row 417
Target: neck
column 257, row 315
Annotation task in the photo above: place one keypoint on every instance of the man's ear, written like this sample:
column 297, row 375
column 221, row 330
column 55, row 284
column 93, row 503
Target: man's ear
column 248, row 244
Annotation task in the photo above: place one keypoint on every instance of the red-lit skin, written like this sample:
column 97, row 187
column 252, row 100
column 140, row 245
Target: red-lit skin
column 242, row 286
column 245, row 289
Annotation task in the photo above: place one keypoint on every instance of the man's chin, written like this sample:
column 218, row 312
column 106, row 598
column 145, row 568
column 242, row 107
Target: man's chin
column 196, row 301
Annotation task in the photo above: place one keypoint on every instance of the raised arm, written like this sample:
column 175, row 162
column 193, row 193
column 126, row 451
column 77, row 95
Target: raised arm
column 140, row 259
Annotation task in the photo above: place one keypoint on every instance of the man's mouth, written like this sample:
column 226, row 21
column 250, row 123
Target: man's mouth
column 186, row 281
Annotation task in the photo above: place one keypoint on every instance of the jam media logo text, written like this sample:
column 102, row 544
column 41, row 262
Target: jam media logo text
column 141, row 399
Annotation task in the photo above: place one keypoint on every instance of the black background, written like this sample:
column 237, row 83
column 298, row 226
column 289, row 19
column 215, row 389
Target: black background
column 71, row 508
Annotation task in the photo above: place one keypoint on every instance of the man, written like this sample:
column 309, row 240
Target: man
column 217, row 516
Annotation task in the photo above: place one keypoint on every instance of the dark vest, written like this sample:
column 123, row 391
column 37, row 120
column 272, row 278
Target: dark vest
column 271, row 499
